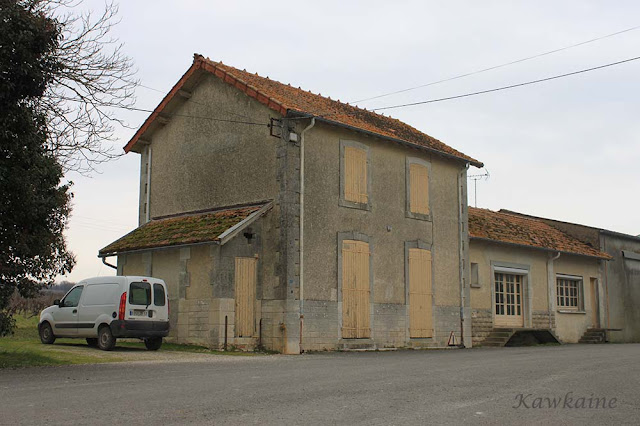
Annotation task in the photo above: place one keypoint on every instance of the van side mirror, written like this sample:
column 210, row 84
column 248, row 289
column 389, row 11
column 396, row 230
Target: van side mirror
column 56, row 302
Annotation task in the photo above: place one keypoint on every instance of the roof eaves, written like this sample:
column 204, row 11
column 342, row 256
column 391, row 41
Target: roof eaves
column 161, row 106
column 396, row 140
column 604, row 256
column 235, row 229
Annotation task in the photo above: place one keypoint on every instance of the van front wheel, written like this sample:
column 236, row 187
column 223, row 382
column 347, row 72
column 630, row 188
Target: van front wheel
column 46, row 334
column 106, row 341
column 153, row 343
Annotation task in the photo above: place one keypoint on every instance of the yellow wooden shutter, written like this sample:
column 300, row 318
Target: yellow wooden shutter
column 245, row 289
column 356, row 291
column 420, row 294
column 419, row 195
column 355, row 175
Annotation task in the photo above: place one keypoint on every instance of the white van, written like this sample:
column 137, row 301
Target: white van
column 102, row 309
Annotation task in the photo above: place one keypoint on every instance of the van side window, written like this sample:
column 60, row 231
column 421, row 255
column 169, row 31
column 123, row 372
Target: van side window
column 158, row 295
column 72, row 298
column 140, row 293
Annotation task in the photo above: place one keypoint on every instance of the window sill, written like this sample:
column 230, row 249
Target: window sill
column 475, row 286
column 567, row 311
column 354, row 205
column 418, row 216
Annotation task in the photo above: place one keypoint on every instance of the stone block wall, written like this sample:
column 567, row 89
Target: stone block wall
column 481, row 324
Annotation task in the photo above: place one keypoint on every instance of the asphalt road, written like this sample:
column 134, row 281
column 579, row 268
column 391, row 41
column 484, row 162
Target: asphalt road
column 479, row 386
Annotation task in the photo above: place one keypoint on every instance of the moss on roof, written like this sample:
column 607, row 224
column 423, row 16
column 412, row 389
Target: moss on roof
column 186, row 229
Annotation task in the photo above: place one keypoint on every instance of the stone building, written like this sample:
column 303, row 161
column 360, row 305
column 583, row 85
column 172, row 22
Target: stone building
column 529, row 275
column 285, row 219
column 620, row 277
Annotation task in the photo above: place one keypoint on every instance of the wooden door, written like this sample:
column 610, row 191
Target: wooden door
column 595, row 320
column 245, row 288
column 356, row 291
column 420, row 294
column 508, row 297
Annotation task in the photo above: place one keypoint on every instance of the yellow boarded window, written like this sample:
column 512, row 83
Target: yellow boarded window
column 245, row 289
column 356, row 291
column 419, row 185
column 355, row 175
column 420, row 294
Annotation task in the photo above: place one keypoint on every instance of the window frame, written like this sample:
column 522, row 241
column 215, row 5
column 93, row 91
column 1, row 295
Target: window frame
column 579, row 297
column 63, row 303
column 408, row 212
column 342, row 200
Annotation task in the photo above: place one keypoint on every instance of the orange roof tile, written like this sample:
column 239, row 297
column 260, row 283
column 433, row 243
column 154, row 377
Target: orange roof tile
column 181, row 230
column 291, row 101
column 525, row 231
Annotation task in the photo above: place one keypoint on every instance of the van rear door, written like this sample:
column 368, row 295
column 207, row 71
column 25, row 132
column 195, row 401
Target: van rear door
column 160, row 301
column 139, row 301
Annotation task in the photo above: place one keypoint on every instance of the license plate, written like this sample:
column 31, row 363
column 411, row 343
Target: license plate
column 139, row 313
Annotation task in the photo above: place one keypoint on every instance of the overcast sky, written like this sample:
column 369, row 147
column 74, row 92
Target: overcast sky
column 566, row 149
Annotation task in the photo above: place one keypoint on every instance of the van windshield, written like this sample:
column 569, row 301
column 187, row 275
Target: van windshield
column 140, row 293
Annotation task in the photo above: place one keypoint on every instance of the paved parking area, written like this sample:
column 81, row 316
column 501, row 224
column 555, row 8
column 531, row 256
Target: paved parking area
column 479, row 386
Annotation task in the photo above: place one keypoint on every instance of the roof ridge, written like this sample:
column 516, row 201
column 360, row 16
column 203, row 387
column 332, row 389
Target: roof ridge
column 364, row 109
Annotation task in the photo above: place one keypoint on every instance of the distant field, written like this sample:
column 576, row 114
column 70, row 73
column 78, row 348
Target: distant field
column 24, row 349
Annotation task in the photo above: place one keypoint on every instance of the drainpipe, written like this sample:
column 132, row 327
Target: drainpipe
column 551, row 283
column 461, row 228
column 301, row 238
column 148, row 200
column 104, row 260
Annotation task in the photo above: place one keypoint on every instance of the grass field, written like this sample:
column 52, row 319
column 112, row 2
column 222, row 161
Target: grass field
column 24, row 349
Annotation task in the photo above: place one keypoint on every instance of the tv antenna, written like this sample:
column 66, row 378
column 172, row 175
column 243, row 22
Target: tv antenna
column 486, row 175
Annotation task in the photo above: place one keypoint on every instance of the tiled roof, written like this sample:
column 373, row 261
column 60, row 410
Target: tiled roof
column 292, row 101
column 525, row 231
column 181, row 230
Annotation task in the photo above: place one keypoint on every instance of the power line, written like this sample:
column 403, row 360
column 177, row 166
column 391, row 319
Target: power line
column 195, row 102
column 506, row 87
column 496, row 66
column 224, row 120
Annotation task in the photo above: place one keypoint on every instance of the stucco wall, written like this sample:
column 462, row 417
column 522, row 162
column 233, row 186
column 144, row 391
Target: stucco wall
column 622, row 284
column 198, row 163
column 387, row 227
column 569, row 327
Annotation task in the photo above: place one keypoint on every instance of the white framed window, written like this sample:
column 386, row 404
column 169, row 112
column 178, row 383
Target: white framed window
column 569, row 293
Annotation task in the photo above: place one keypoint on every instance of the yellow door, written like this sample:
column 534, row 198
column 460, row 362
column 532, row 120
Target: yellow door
column 508, row 300
column 420, row 294
column 245, row 283
column 356, row 292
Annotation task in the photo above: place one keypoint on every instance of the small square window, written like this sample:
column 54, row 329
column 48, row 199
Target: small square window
column 569, row 293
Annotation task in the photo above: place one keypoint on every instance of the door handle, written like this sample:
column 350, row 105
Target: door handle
column 75, row 311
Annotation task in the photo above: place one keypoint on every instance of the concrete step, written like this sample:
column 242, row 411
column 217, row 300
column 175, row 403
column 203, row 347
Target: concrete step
column 506, row 334
column 597, row 339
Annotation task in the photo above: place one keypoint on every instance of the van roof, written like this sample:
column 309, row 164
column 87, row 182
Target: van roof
column 120, row 279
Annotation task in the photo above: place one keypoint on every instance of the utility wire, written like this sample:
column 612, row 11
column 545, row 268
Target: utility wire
column 224, row 120
column 507, row 87
column 496, row 66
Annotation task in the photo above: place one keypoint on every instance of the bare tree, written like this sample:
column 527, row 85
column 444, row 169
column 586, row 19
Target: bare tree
column 94, row 83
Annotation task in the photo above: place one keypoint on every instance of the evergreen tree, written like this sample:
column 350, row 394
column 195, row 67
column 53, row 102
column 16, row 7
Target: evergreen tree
column 34, row 205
